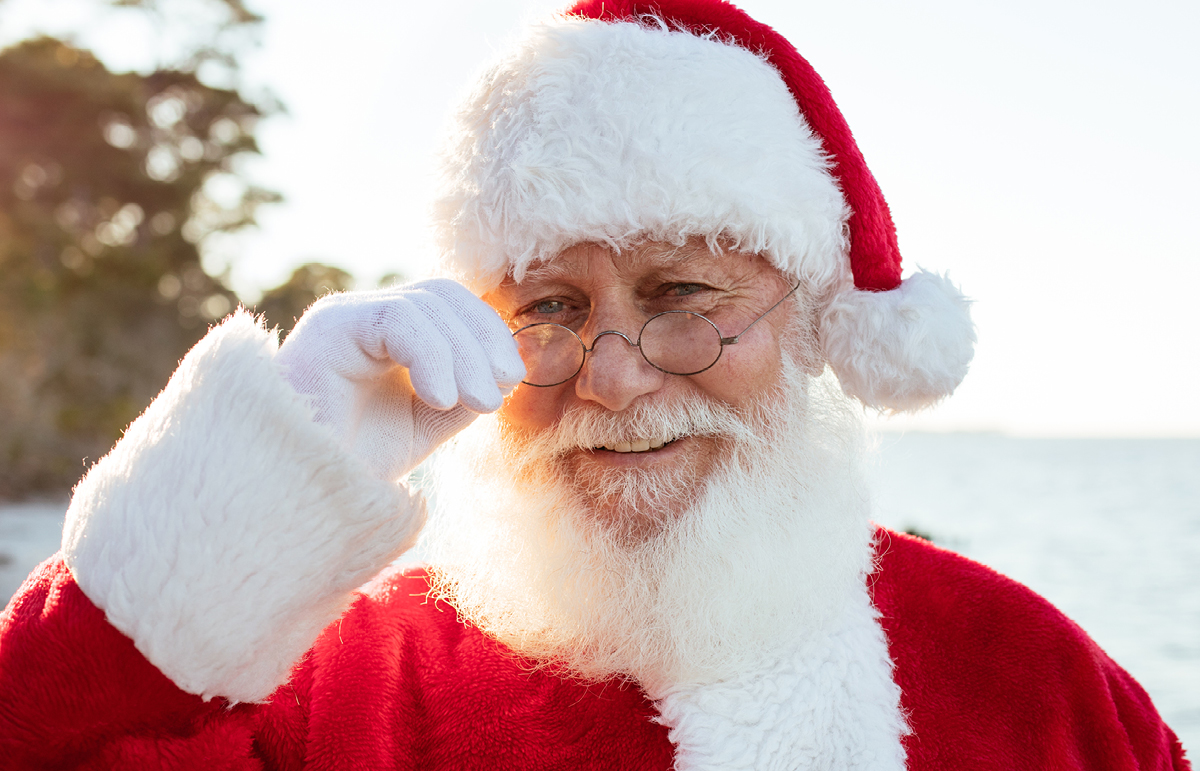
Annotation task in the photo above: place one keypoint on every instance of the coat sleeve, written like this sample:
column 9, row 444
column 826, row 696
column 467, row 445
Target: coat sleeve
column 76, row 693
column 201, row 559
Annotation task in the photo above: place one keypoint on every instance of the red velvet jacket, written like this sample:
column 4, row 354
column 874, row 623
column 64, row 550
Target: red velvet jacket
column 992, row 677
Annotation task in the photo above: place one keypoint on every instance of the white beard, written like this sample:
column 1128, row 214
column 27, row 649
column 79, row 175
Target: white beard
column 766, row 553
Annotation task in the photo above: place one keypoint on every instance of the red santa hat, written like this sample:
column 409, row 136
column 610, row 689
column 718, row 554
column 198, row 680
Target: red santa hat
column 623, row 121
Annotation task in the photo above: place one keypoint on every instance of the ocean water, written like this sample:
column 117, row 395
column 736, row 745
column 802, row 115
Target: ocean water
column 29, row 533
column 1106, row 529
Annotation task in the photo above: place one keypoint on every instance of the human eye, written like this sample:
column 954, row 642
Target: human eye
column 686, row 289
column 694, row 296
column 546, row 309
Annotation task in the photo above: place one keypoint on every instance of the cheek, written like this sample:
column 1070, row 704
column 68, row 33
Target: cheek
column 744, row 371
column 532, row 408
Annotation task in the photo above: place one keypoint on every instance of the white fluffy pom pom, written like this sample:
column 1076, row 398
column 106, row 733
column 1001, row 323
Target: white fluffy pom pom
column 902, row 349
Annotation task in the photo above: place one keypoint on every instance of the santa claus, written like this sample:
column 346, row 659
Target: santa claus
column 671, row 284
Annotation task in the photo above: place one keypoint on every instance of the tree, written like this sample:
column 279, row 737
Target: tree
column 108, row 184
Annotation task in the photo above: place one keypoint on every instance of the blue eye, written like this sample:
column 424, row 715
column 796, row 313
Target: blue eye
column 549, row 307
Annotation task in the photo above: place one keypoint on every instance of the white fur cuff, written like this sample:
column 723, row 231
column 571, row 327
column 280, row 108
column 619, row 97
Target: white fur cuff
column 226, row 529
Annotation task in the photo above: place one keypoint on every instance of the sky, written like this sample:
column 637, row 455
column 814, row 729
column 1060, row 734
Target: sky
column 1042, row 154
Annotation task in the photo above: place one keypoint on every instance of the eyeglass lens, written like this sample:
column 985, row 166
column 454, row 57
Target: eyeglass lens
column 676, row 342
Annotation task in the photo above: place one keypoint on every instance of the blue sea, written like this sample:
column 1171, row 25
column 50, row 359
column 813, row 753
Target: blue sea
column 1106, row 529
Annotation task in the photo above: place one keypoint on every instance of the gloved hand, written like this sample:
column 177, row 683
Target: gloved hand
column 395, row 372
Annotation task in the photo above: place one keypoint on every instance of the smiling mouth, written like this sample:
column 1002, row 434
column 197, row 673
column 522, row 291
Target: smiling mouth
column 640, row 445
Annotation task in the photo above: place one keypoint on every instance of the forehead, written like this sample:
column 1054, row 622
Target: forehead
column 694, row 260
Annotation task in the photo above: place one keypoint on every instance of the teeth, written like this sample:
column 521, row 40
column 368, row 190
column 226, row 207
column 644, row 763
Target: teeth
column 639, row 445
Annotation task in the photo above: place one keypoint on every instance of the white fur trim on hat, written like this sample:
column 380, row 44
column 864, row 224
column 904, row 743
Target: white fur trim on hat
column 902, row 349
column 615, row 133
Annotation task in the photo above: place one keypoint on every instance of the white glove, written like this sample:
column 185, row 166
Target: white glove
column 395, row 372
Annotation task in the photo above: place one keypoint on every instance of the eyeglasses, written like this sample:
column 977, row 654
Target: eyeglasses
column 675, row 342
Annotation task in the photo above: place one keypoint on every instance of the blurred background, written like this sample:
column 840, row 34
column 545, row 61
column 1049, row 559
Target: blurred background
column 162, row 161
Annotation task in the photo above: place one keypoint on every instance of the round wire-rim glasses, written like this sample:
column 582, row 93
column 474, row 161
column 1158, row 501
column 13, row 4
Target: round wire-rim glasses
column 679, row 342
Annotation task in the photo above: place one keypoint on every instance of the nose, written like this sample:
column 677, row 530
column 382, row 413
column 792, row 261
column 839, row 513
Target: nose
column 614, row 374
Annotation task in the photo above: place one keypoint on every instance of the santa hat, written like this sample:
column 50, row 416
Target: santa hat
column 623, row 121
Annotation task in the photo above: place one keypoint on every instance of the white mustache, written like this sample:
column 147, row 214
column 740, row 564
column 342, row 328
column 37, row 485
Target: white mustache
column 586, row 427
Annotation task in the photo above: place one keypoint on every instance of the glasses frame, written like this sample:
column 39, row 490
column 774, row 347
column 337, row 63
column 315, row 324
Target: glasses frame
column 732, row 340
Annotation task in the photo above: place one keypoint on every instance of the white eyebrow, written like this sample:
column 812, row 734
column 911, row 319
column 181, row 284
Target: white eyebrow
column 544, row 271
column 674, row 254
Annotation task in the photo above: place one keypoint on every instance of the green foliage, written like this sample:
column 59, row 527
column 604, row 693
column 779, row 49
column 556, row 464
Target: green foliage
column 108, row 184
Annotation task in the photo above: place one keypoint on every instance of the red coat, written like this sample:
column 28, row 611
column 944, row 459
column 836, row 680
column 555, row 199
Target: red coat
column 992, row 677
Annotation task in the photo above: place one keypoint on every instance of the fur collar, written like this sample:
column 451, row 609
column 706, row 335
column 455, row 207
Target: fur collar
column 828, row 703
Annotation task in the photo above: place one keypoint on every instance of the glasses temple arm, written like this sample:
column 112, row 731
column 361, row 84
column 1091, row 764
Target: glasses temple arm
column 735, row 338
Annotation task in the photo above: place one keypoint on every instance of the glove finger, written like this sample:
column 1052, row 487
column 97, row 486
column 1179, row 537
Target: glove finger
column 493, row 335
column 317, row 346
column 410, row 339
column 445, row 362
column 473, row 372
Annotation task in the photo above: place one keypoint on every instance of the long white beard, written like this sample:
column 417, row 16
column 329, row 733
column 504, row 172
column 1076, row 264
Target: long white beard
column 772, row 546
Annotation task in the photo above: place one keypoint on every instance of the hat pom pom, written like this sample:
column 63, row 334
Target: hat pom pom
column 902, row 349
